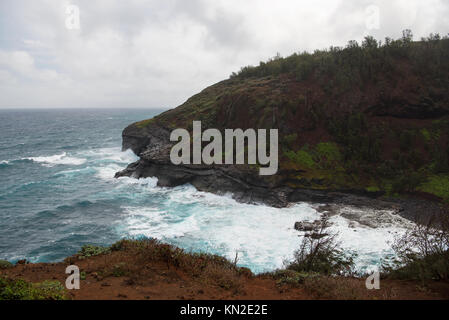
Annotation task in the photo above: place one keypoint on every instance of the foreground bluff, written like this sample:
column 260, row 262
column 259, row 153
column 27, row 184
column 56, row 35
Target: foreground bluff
column 366, row 120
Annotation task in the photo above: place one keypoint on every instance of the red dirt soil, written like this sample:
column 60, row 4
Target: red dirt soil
column 158, row 281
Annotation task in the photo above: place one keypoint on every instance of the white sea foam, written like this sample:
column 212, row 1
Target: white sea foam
column 108, row 161
column 263, row 236
column 58, row 159
column 111, row 155
column 75, row 171
column 144, row 182
column 108, row 172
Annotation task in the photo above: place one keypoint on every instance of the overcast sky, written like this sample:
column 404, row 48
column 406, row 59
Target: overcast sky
column 156, row 54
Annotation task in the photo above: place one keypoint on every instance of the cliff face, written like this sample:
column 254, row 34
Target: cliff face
column 152, row 143
column 367, row 121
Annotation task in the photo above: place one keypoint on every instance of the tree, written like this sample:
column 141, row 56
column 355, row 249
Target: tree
column 320, row 252
column 407, row 36
column 370, row 43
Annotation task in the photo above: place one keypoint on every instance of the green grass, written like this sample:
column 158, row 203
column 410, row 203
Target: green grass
column 301, row 157
column 372, row 189
column 324, row 155
column 426, row 134
column 145, row 123
column 23, row 290
column 329, row 151
column 437, row 185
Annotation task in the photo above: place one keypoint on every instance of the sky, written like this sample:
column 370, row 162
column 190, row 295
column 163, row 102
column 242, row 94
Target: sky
column 156, row 54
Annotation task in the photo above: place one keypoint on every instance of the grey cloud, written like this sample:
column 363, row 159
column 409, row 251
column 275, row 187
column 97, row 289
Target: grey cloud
column 158, row 53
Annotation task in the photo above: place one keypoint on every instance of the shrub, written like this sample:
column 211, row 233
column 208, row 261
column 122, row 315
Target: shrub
column 208, row 268
column 329, row 151
column 226, row 278
column 23, row 290
column 426, row 134
column 302, row 157
column 407, row 182
column 437, row 185
column 92, row 251
column 290, row 140
column 291, row 277
column 320, row 253
column 422, row 252
column 120, row 270
column 5, row 264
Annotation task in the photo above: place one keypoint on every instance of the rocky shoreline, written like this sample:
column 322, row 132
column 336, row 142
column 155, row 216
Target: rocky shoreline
column 152, row 144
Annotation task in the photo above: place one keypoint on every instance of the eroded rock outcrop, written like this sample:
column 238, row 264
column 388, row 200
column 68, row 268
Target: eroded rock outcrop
column 382, row 137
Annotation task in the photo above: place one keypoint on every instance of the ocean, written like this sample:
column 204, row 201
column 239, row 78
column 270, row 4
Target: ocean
column 58, row 193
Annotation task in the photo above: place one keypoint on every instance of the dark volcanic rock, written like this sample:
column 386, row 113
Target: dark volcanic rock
column 307, row 226
column 153, row 146
column 316, row 236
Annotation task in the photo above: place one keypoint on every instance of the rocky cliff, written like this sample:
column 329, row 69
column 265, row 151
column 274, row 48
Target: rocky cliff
column 355, row 122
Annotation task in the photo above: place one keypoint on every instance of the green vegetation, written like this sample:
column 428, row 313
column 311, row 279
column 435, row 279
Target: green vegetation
column 368, row 116
column 358, row 151
column 321, row 267
column 324, row 155
column 292, row 278
column 120, row 270
column 426, row 134
column 23, row 290
column 328, row 151
column 91, row 251
column 290, row 140
column 301, row 157
column 437, row 185
column 320, row 253
column 5, row 264
column 422, row 253
column 372, row 189
column 360, row 142
column 357, row 63
column 145, row 123
column 207, row 268
column 407, row 183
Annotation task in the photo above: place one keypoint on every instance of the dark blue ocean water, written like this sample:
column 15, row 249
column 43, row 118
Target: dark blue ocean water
column 58, row 193
column 51, row 200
